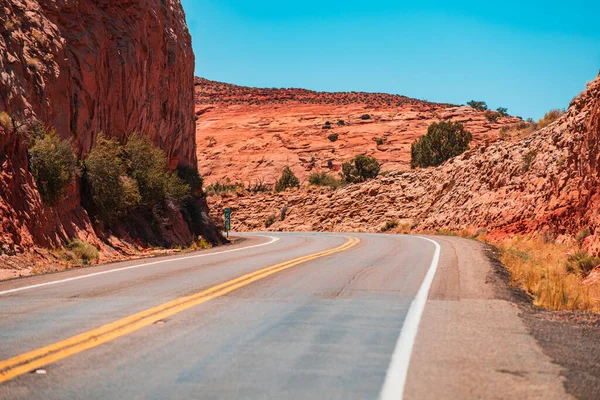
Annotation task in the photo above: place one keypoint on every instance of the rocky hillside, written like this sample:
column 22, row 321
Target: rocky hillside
column 89, row 67
column 249, row 134
column 548, row 181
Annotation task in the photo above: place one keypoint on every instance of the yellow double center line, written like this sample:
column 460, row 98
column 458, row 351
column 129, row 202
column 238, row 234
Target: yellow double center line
column 34, row 359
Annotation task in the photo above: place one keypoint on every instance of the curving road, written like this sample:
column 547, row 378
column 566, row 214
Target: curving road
column 278, row 315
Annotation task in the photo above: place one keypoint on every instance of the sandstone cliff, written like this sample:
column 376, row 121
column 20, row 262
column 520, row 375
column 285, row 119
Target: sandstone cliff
column 258, row 131
column 89, row 67
column 548, row 181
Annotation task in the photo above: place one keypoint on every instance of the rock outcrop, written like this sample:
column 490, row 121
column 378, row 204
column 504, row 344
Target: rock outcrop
column 88, row 67
column 257, row 132
column 546, row 182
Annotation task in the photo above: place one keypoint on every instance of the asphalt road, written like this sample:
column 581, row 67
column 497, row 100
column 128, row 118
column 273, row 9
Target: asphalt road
column 328, row 316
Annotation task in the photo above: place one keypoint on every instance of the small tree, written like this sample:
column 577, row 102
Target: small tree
column 443, row 141
column 288, row 180
column 503, row 111
column 478, row 105
column 53, row 165
column 360, row 169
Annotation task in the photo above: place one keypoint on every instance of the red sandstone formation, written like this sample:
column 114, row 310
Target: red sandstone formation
column 258, row 131
column 549, row 181
column 86, row 67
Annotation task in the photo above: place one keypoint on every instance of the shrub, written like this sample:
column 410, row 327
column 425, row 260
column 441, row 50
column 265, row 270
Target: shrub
column 379, row 141
column 190, row 176
column 6, row 121
column 582, row 263
column 333, row 137
column 365, row 117
column 83, row 251
column 549, row 118
column 53, row 165
column 503, row 111
column 360, row 169
column 288, row 180
column 492, row 116
column 323, row 179
column 148, row 166
column 478, row 105
column 34, row 64
column 269, row 221
column 528, row 160
column 111, row 190
column 341, row 122
column 443, row 141
column 389, row 225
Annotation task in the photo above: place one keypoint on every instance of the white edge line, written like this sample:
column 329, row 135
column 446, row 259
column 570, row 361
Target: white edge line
column 395, row 380
column 110, row 271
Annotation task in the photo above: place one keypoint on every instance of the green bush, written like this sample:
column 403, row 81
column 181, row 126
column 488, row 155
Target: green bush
column 111, row 190
column 53, row 165
column 333, row 137
column 389, row 225
column 148, row 166
column 83, row 251
column 323, row 179
column 269, row 221
column 227, row 186
column 288, row 180
column 478, row 105
column 492, row 116
column 360, row 169
column 365, row 117
column 443, row 141
column 503, row 111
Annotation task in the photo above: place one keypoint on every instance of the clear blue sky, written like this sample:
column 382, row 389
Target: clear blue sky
column 527, row 55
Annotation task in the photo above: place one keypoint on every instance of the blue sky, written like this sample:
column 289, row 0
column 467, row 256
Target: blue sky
column 529, row 55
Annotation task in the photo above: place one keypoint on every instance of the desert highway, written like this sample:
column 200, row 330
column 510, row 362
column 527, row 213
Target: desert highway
column 276, row 316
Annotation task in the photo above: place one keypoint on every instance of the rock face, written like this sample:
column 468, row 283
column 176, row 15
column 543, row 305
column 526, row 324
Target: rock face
column 258, row 131
column 88, row 67
column 548, row 181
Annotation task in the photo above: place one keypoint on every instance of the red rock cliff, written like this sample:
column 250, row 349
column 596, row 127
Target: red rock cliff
column 85, row 67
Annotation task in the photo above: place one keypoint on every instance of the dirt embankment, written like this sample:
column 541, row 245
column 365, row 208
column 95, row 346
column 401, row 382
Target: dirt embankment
column 249, row 134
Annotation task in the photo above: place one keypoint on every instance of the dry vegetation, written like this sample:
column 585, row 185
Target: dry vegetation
column 552, row 273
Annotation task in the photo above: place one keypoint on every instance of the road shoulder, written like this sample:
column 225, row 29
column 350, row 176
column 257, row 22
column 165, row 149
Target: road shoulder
column 472, row 342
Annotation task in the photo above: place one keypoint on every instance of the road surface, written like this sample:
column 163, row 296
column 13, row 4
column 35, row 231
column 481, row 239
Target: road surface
column 277, row 316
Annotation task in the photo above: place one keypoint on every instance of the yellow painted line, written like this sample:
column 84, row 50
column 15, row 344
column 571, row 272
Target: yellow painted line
column 26, row 362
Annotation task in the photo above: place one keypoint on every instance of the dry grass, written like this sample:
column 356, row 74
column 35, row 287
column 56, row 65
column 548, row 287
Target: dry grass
column 546, row 271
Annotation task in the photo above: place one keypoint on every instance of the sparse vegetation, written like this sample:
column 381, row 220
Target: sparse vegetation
column 549, row 118
column 582, row 235
column 287, row 181
column 443, row 141
column 323, row 179
column 379, row 141
column 327, row 125
column 219, row 188
column 84, row 253
column 34, row 64
column 518, row 131
column 211, row 141
column 553, row 278
column 528, row 160
column 360, row 169
column 341, row 122
column 365, row 117
column 333, row 137
column 492, row 116
column 6, row 121
column 503, row 111
column 389, row 225
column 270, row 221
column 478, row 105
column 53, row 164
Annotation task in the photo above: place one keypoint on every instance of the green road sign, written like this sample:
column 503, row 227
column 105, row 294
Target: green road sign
column 227, row 213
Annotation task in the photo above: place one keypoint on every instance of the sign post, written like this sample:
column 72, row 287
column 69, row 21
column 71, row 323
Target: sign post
column 227, row 213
